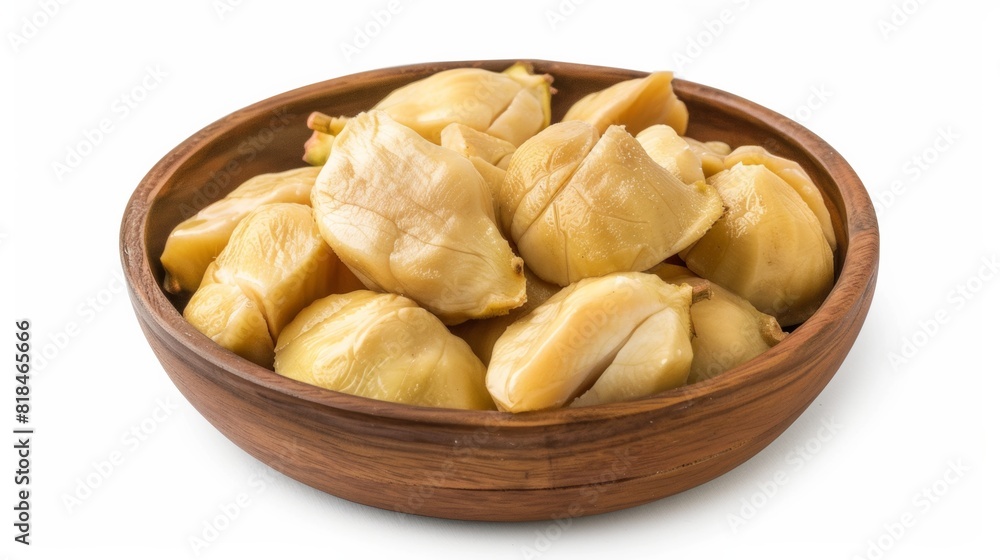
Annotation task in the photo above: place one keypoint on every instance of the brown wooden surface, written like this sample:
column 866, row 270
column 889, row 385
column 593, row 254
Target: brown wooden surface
column 478, row 465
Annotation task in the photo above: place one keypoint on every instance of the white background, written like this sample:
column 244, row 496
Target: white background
column 922, row 84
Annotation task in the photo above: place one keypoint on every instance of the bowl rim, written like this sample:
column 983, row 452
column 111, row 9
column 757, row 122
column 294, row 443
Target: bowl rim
column 858, row 271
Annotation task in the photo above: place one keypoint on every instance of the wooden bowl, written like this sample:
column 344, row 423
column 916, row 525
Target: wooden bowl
column 490, row 465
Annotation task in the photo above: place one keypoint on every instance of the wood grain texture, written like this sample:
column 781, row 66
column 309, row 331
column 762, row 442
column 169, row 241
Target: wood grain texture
column 479, row 465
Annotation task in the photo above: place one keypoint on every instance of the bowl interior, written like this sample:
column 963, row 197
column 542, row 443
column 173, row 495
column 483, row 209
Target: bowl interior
column 268, row 136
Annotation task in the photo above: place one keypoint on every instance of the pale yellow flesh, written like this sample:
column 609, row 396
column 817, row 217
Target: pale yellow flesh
column 519, row 121
column 793, row 174
column 471, row 143
column 557, row 352
column 494, row 178
column 582, row 207
column 672, row 152
column 225, row 314
column 482, row 334
column 539, row 168
column 712, row 155
column 381, row 346
column 635, row 104
column 274, row 265
column 512, row 105
column 196, row 241
column 657, row 357
column 729, row 331
column 413, row 218
column 522, row 119
column 768, row 247
column 279, row 260
column 579, row 206
column 489, row 155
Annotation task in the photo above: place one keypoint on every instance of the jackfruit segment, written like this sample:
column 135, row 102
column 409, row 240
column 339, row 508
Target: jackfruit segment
column 196, row 241
column 768, row 247
column 712, row 154
column 657, row 357
column 672, row 152
column 413, row 218
column 635, row 104
column 482, row 334
column 793, row 174
column 558, row 351
column 489, row 155
column 223, row 313
column 729, row 331
column 578, row 204
column 512, row 105
column 381, row 346
column 274, row 265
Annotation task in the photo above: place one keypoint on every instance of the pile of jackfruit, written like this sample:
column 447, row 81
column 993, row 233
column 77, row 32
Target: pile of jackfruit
column 452, row 247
